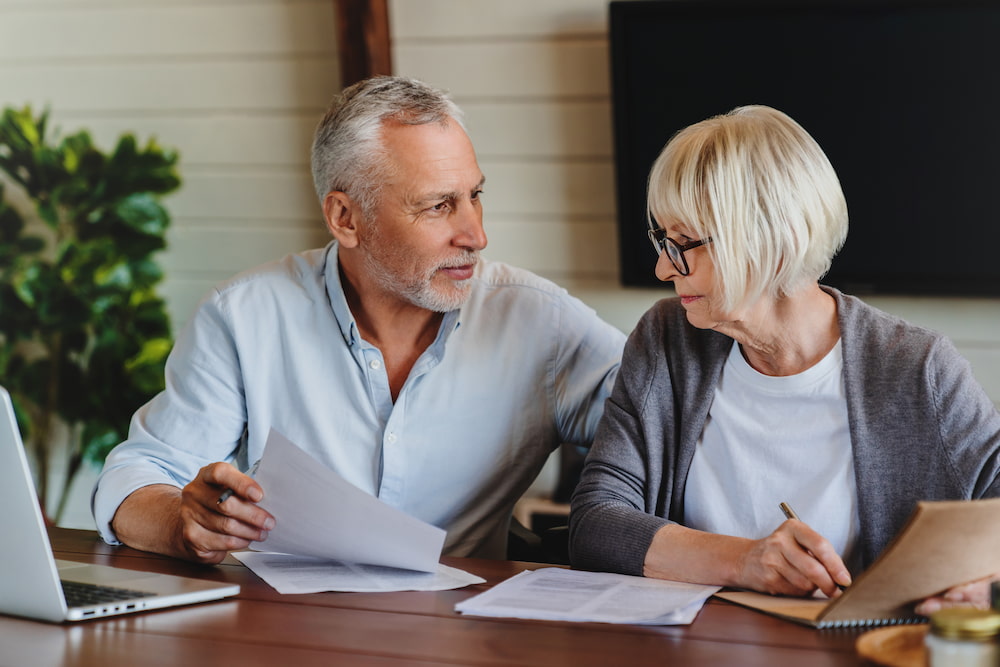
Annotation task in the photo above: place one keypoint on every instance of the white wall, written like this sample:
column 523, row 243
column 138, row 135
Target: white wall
column 237, row 85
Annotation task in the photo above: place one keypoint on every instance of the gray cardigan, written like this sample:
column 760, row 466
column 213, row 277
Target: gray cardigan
column 921, row 429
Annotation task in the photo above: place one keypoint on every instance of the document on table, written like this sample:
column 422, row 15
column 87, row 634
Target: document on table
column 557, row 594
column 320, row 516
column 289, row 574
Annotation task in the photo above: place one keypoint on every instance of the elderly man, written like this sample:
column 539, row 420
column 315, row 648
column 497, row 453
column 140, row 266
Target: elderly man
column 421, row 373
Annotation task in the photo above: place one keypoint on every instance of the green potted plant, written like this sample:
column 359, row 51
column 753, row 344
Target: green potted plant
column 83, row 333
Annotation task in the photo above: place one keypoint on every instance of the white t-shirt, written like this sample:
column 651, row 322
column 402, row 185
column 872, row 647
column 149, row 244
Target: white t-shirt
column 773, row 439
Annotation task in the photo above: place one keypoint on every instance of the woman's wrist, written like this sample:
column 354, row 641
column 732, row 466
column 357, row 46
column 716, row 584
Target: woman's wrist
column 683, row 554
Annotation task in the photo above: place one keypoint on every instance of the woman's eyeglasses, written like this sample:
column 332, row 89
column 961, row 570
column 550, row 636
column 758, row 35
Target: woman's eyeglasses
column 675, row 251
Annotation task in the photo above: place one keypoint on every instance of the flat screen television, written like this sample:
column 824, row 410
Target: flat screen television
column 904, row 97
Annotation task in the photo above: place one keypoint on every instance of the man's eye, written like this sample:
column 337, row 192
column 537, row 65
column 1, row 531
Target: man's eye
column 441, row 206
column 476, row 194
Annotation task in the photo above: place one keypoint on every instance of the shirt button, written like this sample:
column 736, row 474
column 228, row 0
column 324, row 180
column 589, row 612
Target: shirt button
column 375, row 364
column 391, row 438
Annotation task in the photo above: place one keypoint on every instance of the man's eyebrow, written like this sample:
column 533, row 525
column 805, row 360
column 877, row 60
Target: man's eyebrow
column 438, row 196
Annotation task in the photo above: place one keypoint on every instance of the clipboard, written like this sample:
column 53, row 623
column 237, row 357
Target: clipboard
column 944, row 543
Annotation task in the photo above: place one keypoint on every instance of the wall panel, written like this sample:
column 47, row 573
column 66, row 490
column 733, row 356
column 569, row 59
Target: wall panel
column 278, row 139
column 552, row 129
column 174, row 85
column 446, row 20
column 162, row 30
column 251, row 194
column 566, row 188
column 568, row 68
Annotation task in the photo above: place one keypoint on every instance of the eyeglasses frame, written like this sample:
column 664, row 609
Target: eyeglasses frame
column 675, row 251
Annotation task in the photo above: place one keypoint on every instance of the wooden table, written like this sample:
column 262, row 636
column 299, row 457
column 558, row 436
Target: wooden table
column 262, row 627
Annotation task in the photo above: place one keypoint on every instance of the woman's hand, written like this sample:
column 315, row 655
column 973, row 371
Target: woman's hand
column 793, row 560
column 973, row 594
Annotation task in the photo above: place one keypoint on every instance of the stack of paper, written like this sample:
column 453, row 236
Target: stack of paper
column 332, row 536
column 289, row 574
column 557, row 594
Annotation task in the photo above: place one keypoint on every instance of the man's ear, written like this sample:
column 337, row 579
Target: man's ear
column 341, row 215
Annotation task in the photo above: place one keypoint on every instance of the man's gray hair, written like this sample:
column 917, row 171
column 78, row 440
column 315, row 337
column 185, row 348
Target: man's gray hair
column 347, row 151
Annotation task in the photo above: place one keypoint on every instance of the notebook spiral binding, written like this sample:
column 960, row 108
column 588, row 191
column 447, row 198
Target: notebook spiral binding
column 871, row 622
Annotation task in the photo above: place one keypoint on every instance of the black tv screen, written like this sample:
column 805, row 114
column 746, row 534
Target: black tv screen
column 904, row 97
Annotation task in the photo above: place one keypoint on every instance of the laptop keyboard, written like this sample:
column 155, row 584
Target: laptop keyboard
column 87, row 595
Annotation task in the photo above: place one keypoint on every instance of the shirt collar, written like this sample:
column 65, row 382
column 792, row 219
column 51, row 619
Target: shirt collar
column 338, row 301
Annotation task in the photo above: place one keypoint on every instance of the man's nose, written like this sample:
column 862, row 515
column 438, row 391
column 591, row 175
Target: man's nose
column 469, row 222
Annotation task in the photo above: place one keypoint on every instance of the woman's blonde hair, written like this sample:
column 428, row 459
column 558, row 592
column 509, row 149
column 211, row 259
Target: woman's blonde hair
column 761, row 187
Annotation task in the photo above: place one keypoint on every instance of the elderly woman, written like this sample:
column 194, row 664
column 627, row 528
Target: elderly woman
column 758, row 385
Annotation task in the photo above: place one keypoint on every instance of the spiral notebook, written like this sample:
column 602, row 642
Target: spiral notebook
column 944, row 543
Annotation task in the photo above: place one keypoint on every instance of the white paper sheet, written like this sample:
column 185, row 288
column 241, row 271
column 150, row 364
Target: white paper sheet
column 319, row 514
column 289, row 574
column 557, row 594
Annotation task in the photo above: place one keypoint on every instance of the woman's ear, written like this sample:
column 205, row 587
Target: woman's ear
column 341, row 215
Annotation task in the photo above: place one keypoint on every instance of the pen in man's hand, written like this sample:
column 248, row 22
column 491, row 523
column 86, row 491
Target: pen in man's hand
column 228, row 493
column 789, row 512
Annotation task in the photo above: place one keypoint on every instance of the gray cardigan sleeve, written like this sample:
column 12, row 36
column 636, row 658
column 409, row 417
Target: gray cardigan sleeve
column 922, row 428
column 609, row 526
column 968, row 424
column 632, row 481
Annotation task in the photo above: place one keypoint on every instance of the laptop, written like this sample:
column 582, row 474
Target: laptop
column 35, row 585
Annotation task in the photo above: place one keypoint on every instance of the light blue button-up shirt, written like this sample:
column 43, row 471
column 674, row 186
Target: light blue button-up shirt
column 520, row 368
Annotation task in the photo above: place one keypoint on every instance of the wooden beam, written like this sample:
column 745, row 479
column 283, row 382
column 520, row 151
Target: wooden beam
column 362, row 39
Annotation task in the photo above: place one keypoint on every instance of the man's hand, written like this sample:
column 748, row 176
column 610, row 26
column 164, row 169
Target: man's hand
column 210, row 529
column 793, row 560
column 191, row 523
column 973, row 594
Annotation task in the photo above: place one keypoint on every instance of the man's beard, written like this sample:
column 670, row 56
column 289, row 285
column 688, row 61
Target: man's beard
column 419, row 290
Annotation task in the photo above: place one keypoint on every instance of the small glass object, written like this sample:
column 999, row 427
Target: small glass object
column 964, row 637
